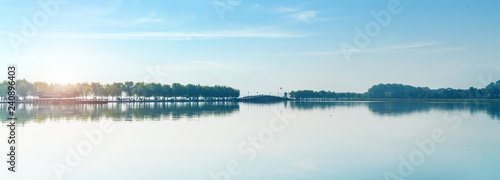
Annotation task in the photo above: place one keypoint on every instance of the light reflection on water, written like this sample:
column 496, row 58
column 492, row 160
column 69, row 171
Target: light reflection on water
column 324, row 140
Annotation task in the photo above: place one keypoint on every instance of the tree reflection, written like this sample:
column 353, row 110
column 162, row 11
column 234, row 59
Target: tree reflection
column 121, row 111
column 398, row 108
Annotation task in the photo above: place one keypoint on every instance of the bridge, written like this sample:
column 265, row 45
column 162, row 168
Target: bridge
column 262, row 98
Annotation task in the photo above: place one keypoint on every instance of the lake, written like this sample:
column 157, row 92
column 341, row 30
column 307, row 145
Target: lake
column 246, row 141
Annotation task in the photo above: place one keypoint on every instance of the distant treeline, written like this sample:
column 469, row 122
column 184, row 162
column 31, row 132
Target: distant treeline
column 324, row 94
column 399, row 91
column 140, row 89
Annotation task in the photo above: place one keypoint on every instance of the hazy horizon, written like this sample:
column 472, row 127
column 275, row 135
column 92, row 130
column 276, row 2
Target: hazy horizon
column 258, row 46
column 254, row 93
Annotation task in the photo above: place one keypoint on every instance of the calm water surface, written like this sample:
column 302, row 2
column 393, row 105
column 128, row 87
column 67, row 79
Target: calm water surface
column 293, row 140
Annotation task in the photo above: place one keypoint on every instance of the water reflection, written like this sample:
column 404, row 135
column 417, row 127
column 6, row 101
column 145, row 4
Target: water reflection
column 323, row 140
column 173, row 111
column 304, row 105
column 122, row 111
column 407, row 108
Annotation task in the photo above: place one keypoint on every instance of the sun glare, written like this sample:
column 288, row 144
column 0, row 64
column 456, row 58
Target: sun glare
column 63, row 76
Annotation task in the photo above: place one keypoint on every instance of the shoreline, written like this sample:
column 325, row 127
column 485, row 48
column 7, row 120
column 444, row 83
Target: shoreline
column 398, row 100
column 77, row 101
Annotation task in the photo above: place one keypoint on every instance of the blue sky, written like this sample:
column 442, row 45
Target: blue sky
column 257, row 46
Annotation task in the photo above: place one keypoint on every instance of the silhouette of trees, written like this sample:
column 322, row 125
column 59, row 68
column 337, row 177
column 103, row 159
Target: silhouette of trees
column 400, row 91
column 138, row 89
column 141, row 89
column 324, row 94
column 492, row 91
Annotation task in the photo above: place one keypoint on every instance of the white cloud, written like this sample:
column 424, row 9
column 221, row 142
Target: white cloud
column 137, row 21
column 402, row 47
column 200, row 65
column 150, row 19
column 146, row 20
column 108, row 7
column 425, row 47
column 250, row 33
column 286, row 10
column 309, row 53
column 307, row 16
column 449, row 49
column 308, row 166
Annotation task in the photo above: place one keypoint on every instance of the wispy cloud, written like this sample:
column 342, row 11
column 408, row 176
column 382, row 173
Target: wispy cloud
column 307, row 165
column 401, row 47
column 201, row 65
column 108, row 7
column 448, row 49
column 307, row 53
column 178, row 35
column 307, row 16
column 151, row 18
column 425, row 47
column 286, row 10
